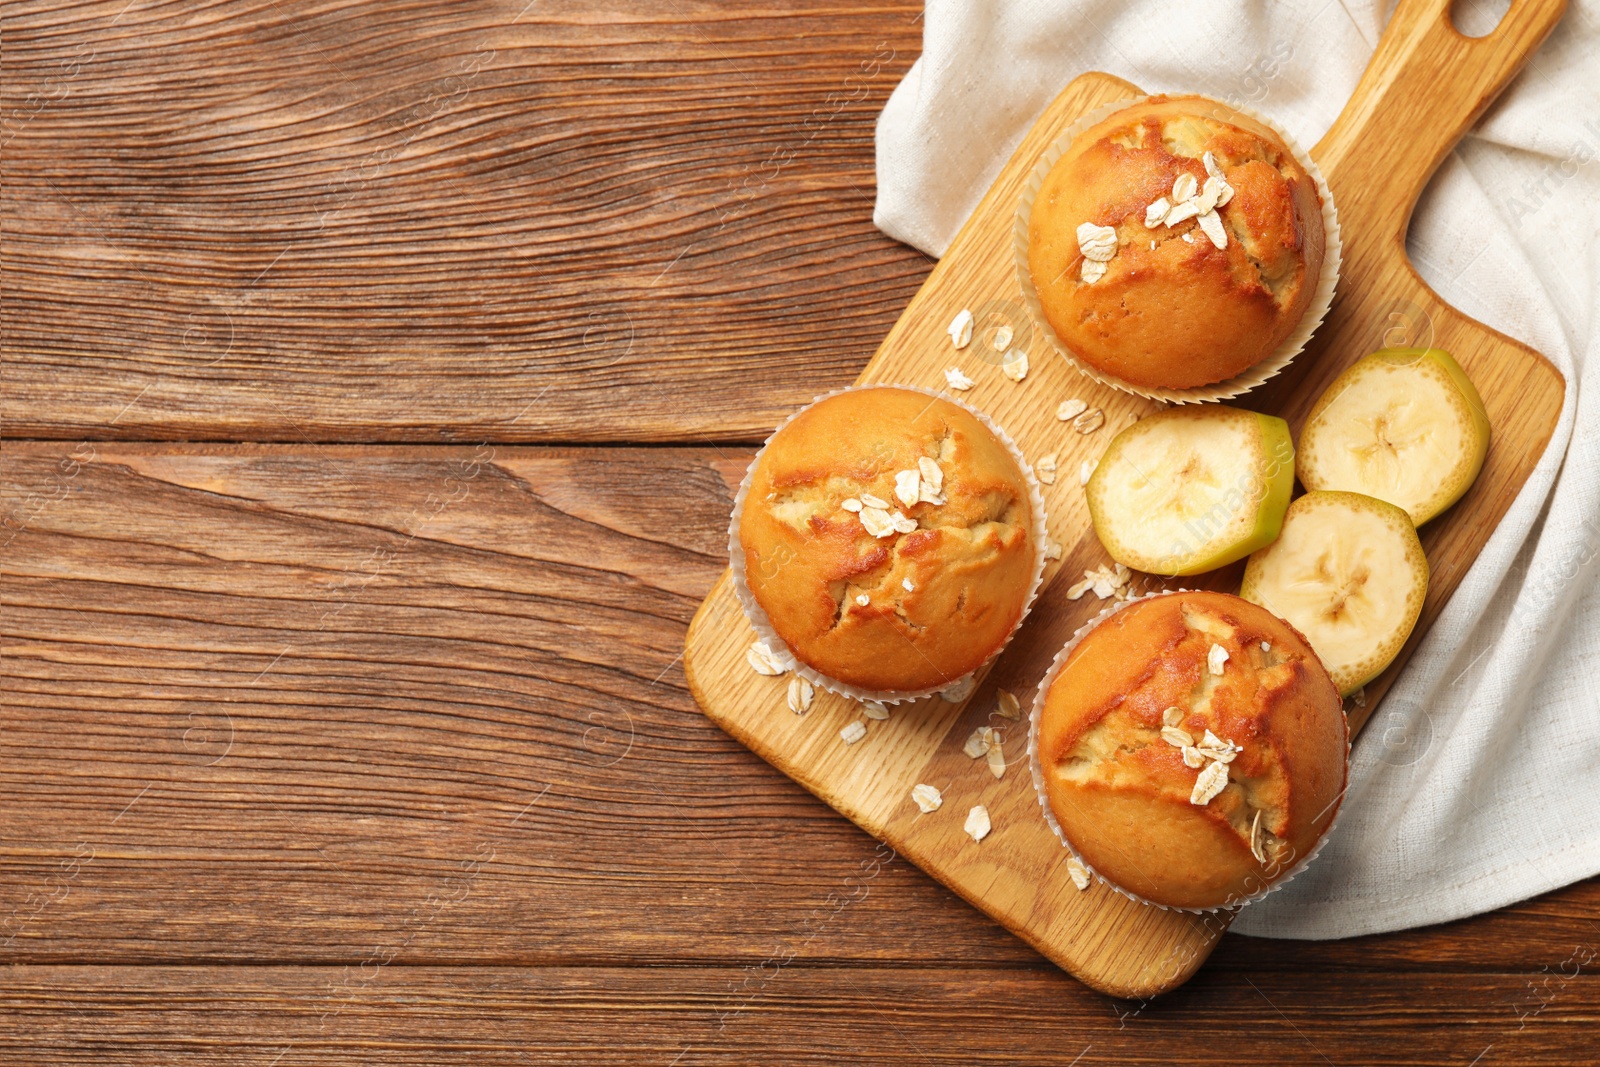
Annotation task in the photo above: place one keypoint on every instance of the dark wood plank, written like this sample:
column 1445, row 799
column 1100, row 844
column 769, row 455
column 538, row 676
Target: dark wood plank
column 791, row 1014
column 343, row 220
column 277, row 704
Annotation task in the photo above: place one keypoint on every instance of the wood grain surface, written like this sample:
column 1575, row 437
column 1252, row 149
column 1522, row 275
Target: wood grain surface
column 1018, row 874
column 350, row 220
column 315, row 753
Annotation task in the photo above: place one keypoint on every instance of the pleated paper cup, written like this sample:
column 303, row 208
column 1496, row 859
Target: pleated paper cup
column 1036, row 767
column 1250, row 378
column 955, row 690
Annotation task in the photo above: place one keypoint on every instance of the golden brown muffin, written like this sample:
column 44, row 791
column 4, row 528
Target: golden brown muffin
column 1173, row 310
column 942, row 593
column 1119, row 779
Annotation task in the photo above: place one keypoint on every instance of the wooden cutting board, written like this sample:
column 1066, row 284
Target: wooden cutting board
column 1425, row 85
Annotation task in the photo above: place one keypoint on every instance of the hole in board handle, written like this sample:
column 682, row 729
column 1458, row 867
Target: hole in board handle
column 1478, row 18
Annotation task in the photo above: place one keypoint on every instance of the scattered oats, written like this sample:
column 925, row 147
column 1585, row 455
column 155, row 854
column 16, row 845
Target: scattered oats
column 1085, row 472
column 1046, row 469
column 1210, row 193
column 997, row 760
column 875, row 709
column 1156, row 214
column 1078, row 873
column 1152, row 246
column 1002, row 338
column 1052, row 549
column 978, row 823
column 1173, row 716
column 1213, row 747
column 863, row 599
column 1193, row 758
column 1076, row 590
column 1182, row 213
column 1184, row 188
column 800, row 695
column 927, row 797
column 956, row 380
column 1211, row 224
column 874, row 502
column 1209, row 783
column 1176, row 737
column 1097, row 243
column 1089, row 421
column 850, row 503
column 1266, row 646
column 961, row 329
column 1360, row 697
column 1092, row 271
column 1071, row 409
column 903, row 523
column 907, row 486
column 1015, row 365
column 1258, row 847
column 978, row 742
column 958, row 690
column 1215, row 172
column 1007, row 705
column 1216, row 658
column 1103, row 588
column 932, row 476
column 930, row 498
column 877, row 522
column 855, row 732
column 763, row 661
column 905, row 583
column 1188, row 238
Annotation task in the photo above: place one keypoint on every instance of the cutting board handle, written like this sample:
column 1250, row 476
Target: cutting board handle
column 1426, row 85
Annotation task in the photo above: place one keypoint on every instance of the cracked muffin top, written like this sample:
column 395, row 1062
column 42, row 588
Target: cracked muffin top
column 1193, row 749
column 1175, row 244
column 889, row 537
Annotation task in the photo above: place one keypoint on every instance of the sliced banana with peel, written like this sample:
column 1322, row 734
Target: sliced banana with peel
column 1404, row 425
column 1349, row 573
column 1191, row 489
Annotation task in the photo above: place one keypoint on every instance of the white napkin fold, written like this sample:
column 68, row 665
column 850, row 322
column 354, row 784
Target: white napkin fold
column 1478, row 783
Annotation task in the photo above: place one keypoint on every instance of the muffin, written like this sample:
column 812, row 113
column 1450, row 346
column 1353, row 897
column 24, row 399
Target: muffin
column 1175, row 244
column 1192, row 749
column 889, row 538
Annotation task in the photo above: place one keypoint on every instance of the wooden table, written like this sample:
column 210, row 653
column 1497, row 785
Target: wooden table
column 375, row 375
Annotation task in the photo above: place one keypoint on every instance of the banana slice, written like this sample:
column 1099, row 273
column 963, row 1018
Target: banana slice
column 1404, row 425
column 1192, row 488
column 1349, row 573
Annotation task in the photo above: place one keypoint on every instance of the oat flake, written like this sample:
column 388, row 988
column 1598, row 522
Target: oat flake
column 1045, row 468
column 850, row 503
column 956, row 380
column 853, row 732
column 762, row 661
column 1089, row 421
column 927, row 797
column 1078, row 873
column 800, row 695
column 1015, row 365
column 1071, row 409
column 978, row 825
column 1210, row 782
column 1216, row 658
column 960, row 329
column 1007, row 705
column 874, row 709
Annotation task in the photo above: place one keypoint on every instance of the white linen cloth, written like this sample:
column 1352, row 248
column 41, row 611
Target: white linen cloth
column 1478, row 782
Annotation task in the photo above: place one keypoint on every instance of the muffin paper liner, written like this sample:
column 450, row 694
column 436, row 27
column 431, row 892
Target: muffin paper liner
column 1036, row 766
column 763, row 626
column 1291, row 346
